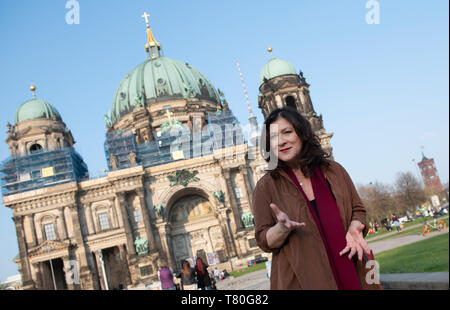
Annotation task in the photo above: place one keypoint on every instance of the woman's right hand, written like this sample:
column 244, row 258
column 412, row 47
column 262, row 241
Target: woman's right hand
column 283, row 220
column 278, row 233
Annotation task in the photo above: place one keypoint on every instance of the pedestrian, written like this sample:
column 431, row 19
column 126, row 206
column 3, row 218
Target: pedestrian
column 225, row 274
column 307, row 212
column 187, row 275
column 217, row 274
column 165, row 275
column 396, row 223
column 203, row 279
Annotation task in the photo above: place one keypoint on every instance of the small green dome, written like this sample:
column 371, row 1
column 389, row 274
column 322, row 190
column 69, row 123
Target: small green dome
column 35, row 108
column 276, row 67
column 159, row 79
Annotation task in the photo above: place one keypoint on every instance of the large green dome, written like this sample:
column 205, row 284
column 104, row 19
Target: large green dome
column 276, row 67
column 35, row 108
column 159, row 79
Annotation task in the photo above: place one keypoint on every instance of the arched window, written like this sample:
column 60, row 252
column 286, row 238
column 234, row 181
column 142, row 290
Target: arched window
column 290, row 102
column 35, row 148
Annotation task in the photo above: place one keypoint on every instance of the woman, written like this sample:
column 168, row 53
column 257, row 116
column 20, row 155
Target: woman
column 187, row 276
column 203, row 279
column 307, row 212
column 165, row 275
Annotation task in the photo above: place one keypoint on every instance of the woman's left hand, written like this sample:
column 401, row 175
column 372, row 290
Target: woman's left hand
column 355, row 241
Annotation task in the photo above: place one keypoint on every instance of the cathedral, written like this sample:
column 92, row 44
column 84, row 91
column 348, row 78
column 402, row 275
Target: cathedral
column 179, row 181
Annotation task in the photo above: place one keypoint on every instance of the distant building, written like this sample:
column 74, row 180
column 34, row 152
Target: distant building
column 13, row 282
column 429, row 174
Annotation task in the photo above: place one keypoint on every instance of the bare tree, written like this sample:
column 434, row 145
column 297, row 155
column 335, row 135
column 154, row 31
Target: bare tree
column 378, row 200
column 409, row 192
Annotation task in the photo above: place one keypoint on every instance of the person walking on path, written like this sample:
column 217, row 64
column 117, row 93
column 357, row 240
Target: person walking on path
column 165, row 275
column 187, row 275
column 217, row 274
column 396, row 223
column 203, row 279
column 307, row 212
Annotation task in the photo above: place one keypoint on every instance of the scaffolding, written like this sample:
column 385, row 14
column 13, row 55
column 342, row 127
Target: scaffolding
column 166, row 148
column 41, row 169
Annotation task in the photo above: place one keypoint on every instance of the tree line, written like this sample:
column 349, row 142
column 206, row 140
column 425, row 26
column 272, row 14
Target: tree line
column 401, row 198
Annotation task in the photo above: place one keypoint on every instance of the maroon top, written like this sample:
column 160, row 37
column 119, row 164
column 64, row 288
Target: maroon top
column 331, row 228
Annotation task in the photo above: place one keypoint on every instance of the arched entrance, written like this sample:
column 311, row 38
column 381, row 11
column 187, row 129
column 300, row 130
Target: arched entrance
column 195, row 231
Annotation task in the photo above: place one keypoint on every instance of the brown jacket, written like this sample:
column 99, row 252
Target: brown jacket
column 302, row 262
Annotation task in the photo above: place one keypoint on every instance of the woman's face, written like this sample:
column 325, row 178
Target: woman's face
column 284, row 141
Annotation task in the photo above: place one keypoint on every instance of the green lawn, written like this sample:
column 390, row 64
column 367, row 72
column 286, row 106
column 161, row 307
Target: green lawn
column 257, row 267
column 429, row 255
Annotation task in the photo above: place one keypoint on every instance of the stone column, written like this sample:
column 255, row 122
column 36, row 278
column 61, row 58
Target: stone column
column 125, row 265
column 230, row 246
column 89, row 219
column 248, row 188
column 126, row 223
column 146, row 218
column 232, row 197
column 164, row 232
column 33, row 229
column 38, row 273
column 25, row 269
column 62, row 221
column 85, row 272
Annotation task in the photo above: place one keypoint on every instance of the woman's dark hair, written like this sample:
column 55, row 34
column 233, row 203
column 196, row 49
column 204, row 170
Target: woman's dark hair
column 200, row 266
column 311, row 154
column 186, row 268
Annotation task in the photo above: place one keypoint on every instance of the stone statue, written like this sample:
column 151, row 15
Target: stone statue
column 108, row 121
column 247, row 220
column 144, row 135
column 222, row 99
column 159, row 210
column 113, row 161
column 139, row 100
column 132, row 158
column 10, row 130
column 219, row 195
column 183, row 177
column 141, row 245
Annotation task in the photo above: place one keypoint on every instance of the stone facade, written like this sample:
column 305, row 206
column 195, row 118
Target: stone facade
column 96, row 223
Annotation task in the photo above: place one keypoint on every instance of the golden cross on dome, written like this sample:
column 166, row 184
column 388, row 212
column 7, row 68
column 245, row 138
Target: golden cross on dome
column 145, row 15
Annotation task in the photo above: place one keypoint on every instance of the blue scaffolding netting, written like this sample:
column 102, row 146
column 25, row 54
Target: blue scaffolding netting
column 41, row 169
column 172, row 145
column 48, row 168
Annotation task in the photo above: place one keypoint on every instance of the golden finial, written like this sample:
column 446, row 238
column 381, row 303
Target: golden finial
column 269, row 49
column 152, row 46
column 33, row 90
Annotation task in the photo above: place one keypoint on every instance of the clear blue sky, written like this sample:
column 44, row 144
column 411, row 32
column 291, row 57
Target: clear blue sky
column 382, row 89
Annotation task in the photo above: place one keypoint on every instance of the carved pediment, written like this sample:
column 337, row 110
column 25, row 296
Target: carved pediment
column 48, row 247
column 32, row 131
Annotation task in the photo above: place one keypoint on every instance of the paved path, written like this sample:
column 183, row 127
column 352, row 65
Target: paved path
column 383, row 245
column 258, row 280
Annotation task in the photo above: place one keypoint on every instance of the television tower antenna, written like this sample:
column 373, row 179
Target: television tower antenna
column 245, row 89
